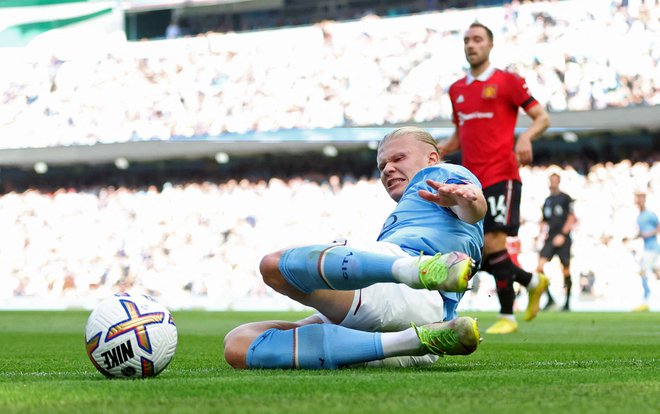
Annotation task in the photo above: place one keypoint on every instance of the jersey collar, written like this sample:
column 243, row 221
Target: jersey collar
column 481, row 78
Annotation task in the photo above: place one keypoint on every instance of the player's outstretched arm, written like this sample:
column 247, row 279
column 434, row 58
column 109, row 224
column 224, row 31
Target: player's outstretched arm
column 466, row 200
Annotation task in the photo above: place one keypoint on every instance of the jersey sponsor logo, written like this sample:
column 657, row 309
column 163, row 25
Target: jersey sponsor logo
column 460, row 99
column 389, row 223
column 547, row 211
column 473, row 115
column 489, row 92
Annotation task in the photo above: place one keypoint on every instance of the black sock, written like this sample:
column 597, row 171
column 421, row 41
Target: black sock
column 568, row 284
column 507, row 295
column 500, row 266
column 501, row 262
column 550, row 298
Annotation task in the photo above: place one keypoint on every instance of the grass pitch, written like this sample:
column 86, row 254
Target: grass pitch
column 560, row 363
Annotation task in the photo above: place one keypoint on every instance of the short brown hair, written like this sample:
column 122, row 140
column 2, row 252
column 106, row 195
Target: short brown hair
column 483, row 26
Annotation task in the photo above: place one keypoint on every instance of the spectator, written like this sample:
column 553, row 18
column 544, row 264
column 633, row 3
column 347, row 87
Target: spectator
column 75, row 245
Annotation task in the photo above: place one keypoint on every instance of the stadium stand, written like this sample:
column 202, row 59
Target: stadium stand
column 576, row 55
column 196, row 243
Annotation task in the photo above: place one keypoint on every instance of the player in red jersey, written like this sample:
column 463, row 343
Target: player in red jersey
column 485, row 105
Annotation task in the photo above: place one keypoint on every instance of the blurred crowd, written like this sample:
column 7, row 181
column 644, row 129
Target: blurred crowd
column 575, row 54
column 198, row 244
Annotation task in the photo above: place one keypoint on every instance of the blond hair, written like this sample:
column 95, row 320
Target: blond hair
column 419, row 134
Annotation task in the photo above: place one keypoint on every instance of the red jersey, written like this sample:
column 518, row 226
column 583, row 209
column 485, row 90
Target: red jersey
column 485, row 113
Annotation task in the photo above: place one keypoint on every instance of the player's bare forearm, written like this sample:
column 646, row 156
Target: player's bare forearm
column 650, row 233
column 465, row 200
column 569, row 224
column 540, row 122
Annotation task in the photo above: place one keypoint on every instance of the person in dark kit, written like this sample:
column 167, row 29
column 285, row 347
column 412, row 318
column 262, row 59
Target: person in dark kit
column 558, row 221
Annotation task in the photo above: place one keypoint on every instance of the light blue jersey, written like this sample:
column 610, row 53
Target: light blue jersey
column 648, row 221
column 419, row 226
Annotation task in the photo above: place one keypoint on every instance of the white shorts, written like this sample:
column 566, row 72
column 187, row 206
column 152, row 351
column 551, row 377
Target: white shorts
column 389, row 307
column 648, row 262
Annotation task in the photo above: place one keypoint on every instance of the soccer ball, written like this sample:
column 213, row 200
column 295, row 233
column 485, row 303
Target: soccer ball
column 130, row 336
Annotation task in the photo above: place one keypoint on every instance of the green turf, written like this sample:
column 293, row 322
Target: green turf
column 561, row 363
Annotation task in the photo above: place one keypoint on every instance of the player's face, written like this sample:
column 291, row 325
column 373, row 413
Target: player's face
column 477, row 46
column 640, row 200
column 554, row 184
column 399, row 159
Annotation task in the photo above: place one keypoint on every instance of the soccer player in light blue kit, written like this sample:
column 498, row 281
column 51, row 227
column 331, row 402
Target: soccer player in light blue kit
column 392, row 302
column 649, row 226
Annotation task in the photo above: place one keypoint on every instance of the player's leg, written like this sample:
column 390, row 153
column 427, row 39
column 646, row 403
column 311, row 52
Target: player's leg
column 545, row 255
column 335, row 304
column 313, row 345
column 496, row 262
column 649, row 261
column 309, row 344
column 306, row 344
column 564, row 254
column 646, row 271
column 239, row 339
column 502, row 220
column 343, row 267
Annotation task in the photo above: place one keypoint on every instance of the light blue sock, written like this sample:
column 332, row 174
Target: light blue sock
column 318, row 346
column 334, row 267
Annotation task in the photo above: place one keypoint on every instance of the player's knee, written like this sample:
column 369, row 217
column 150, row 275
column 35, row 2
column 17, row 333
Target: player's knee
column 236, row 344
column 494, row 241
column 270, row 271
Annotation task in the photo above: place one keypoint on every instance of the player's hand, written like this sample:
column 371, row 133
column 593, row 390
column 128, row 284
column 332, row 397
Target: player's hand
column 523, row 150
column 558, row 240
column 448, row 195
